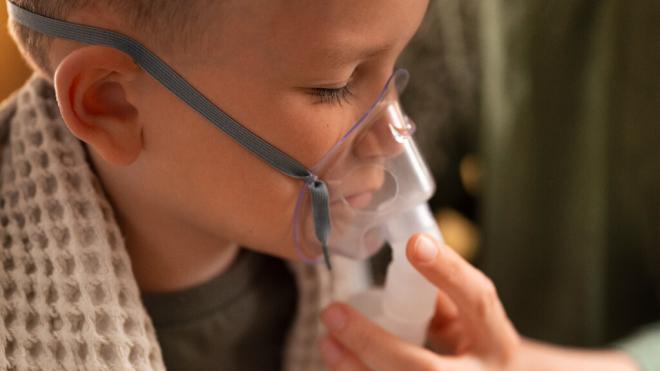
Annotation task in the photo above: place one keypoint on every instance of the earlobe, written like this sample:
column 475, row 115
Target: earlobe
column 93, row 87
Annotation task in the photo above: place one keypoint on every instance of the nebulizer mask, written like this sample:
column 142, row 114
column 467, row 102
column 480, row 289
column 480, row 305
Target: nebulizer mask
column 370, row 188
column 378, row 185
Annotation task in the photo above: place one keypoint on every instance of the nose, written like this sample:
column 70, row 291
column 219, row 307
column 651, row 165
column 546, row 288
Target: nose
column 383, row 136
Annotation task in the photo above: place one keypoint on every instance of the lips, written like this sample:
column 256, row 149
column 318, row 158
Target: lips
column 360, row 200
column 358, row 186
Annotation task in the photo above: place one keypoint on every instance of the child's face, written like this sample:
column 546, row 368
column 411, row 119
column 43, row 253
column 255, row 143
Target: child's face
column 262, row 67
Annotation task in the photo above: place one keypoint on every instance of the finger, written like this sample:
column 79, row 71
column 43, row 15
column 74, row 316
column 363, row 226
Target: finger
column 472, row 292
column 372, row 345
column 447, row 340
column 336, row 358
column 445, row 311
column 445, row 331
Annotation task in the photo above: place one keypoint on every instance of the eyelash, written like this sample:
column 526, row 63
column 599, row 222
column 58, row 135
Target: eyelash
column 333, row 95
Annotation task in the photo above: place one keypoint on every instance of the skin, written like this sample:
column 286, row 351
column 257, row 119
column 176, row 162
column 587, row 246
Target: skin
column 186, row 196
column 470, row 329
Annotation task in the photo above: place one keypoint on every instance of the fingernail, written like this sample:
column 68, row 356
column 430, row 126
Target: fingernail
column 334, row 318
column 330, row 352
column 425, row 249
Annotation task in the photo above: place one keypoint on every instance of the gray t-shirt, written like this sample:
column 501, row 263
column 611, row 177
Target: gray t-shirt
column 236, row 321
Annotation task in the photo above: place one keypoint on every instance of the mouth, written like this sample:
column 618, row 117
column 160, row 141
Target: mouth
column 358, row 189
column 360, row 200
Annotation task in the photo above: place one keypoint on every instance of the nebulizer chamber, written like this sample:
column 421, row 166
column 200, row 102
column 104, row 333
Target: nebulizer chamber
column 379, row 186
column 406, row 303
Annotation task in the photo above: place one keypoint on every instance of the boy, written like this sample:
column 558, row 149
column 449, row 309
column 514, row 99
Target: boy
column 119, row 167
column 298, row 74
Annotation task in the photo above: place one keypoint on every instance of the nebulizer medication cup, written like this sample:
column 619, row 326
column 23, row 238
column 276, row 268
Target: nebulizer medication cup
column 378, row 186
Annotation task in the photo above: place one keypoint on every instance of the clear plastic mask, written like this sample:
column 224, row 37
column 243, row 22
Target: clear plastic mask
column 374, row 172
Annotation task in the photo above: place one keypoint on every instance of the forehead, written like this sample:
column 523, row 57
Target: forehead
column 347, row 23
column 317, row 33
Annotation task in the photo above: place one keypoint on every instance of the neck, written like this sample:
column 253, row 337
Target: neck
column 173, row 260
column 166, row 254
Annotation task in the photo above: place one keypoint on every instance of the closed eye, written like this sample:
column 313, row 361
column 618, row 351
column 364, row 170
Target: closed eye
column 332, row 95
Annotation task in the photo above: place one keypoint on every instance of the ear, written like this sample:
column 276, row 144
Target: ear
column 94, row 86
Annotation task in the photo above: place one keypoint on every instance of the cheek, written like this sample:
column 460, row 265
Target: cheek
column 311, row 132
column 210, row 182
column 216, row 186
column 293, row 124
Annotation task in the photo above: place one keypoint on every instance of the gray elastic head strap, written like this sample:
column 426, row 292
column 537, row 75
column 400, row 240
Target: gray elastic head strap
column 175, row 83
